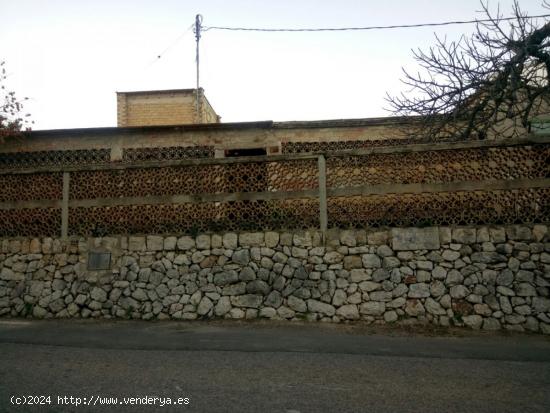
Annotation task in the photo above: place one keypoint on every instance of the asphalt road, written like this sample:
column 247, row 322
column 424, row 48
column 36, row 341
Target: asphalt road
column 257, row 367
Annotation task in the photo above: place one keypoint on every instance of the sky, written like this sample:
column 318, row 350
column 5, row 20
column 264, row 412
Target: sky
column 69, row 57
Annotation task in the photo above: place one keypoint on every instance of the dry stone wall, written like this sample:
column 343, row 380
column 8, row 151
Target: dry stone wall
column 484, row 278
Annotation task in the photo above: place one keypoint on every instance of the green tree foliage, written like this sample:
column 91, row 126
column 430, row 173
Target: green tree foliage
column 13, row 120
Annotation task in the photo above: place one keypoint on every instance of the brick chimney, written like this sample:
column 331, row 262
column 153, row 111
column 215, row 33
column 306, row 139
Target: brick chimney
column 163, row 107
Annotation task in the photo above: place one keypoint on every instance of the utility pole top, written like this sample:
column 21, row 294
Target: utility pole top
column 198, row 23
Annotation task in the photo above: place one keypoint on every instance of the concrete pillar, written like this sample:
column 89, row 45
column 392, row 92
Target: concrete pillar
column 117, row 149
column 65, row 206
column 323, row 214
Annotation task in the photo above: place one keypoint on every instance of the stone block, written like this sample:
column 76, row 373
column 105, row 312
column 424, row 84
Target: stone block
column 230, row 240
column 378, row 238
column 433, row 307
column 497, row 235
column 241, row 257
column 35, row 247
column 247, row 301
column 186, row 243
column 136, row 243
column 285, row 312
column 380, row 274
column 371, row 261
column 271, row 239
column 204, row 306
column 155, row 243
column 333, row 257
column 268, row 312
column 419, row 290
column 274, row 299
column 384, row 251
column 473, row 321
column 410, row 239
column 251, row 239
column 368, row 286
column 8, row 275
column 518, row 233
column 304, row 239
column 445, row 235
column 348, row 311
column 352, row 261
column 449, row 255
column 170, row 243
column 391, row 262
column 459, row 291
column 315, row 306
column 541, row 304
column 234, row 289
column 347, row 238
column 390, row 316
column 464, row 235
column 297, row 304
column 414, row 308
column 539, row 232
column 257, row 287
column 203, row 242
column 491, row 324
column 374, row 308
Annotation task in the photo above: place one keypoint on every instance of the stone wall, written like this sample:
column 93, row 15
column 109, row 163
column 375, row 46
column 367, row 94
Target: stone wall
column 486, row 277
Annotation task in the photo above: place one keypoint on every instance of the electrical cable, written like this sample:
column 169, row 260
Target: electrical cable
column 173, row 44
column 334, row 29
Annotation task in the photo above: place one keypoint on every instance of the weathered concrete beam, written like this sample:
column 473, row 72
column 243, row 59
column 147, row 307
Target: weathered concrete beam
column 529, row 140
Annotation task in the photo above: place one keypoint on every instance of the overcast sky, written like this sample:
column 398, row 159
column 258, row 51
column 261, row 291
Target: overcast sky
column 71, row 56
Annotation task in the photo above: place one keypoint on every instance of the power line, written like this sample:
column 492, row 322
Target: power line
column 173, row 44
column 336, row 29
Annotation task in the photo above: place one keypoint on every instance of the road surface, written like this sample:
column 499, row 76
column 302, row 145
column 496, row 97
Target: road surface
column 265, row 367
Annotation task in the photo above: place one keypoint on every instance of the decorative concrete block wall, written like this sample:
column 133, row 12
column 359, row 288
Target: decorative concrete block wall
column 485, row 278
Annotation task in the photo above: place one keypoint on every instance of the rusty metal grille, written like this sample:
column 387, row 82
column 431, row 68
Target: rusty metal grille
column 441, row 208
column 481, row 183
column 18, row 160
column 513, row 162
column 169, row 153
column 30, row 222
column 292, row 175
column 334, row 146
column 29, row 187
column 191, row 218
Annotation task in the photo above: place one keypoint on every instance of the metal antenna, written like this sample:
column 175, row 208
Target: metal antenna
column 198, row 23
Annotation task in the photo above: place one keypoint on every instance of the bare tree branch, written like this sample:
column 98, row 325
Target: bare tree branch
column 489, row 85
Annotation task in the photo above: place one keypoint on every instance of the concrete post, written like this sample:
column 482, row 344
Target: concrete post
column 323, row 215
column 65, row 206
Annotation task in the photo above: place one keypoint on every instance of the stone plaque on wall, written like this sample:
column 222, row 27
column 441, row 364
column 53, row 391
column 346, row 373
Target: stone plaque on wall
column 99, row 260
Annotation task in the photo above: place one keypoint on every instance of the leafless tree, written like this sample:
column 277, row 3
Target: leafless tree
column 488, row 85
column 12, row 118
